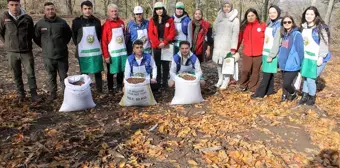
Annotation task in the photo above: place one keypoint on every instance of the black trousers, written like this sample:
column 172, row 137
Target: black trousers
column 109, row 78
column 163, row 68
column 288, row 79
column 266, row 86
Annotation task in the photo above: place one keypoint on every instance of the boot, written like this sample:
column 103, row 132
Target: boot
column 283, row 98
column 292, row 97
column 21, row 96
column 52, row 96
column 304, row 98
column 219, row 82
column 311, row 100
column 220, row 77
column 34, row 96
column 225, row 83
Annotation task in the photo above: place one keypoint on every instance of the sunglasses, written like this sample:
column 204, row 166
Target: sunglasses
column 137, row 14
column 287, row 22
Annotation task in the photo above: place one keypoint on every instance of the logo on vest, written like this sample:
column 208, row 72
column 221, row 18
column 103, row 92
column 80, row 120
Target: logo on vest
column 90, row 39
column 139, row 75
column 167, row 25
column 227, row 60
column 306, row 41
column 43, row 29
column 259, row 29
column 8, row 20
column 267, row 39
column 143, row 39
column 119, row 39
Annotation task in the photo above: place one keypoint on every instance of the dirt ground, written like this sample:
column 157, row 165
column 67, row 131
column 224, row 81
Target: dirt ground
column 227, row 130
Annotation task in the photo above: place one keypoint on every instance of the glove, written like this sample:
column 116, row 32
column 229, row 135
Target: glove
column 320, row 61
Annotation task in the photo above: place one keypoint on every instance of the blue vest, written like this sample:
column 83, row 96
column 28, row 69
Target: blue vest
column 317, row 39
column 191, row 61
column 185, row 23
column 146, row 60
column 133, row 27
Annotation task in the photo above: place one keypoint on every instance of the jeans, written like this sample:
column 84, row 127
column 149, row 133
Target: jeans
column 309, row 84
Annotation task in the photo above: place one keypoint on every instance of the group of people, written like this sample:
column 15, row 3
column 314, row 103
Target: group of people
column 141, row 48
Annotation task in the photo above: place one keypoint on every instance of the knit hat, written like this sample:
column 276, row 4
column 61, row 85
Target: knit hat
column 277, row 9
column 227, row 2
column 158, row 5
column 179, row 5
column 138, row 10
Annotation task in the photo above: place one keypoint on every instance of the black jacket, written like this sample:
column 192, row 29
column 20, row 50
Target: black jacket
column 53, row 36
column 17, row 35
column 79, row 22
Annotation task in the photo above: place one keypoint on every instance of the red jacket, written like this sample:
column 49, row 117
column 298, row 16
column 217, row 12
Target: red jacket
column 201, row 36
column 169, row 32
column 253, row 38
column 107, row 34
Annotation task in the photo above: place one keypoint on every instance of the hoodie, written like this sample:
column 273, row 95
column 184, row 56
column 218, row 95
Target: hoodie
column 291, row 51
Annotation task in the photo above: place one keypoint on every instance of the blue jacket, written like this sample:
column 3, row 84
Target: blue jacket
column 145, row 61
column 291, row 51
column 185, row 23
column 191, row 61
column 131, row 33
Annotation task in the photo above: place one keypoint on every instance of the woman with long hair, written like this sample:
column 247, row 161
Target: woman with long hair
column 290, row 56
column 316, row 39
column 252, row 36
column 270, row 50
column 226, row 31
column 161, row 32
column 200, row 29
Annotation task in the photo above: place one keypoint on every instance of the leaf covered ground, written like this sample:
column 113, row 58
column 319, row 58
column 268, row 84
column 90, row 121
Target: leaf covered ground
column 227, row 130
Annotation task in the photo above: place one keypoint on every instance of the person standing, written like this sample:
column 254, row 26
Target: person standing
column 52, row 34
column 226, row 32
column 270, row 50
column 290, row 57
column 16, row 32
column 113, row 45
column 161, row 32
column 201, row 33
column 252, row 36
column 316, row 55
column 181, row 20
column 86, row 36
column 138, row 29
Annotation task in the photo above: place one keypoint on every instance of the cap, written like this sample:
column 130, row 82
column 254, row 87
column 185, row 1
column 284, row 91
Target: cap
column 179, row 5
column 158, row 5
column 138, row 9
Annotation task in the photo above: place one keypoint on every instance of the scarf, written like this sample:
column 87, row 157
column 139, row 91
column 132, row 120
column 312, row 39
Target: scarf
column 197, row 28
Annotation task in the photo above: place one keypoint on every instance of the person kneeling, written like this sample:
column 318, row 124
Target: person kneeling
column 141, row 64
column 140, row 77
column 185, row 62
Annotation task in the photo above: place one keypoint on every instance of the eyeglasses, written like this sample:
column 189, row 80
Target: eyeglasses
column 287, row 22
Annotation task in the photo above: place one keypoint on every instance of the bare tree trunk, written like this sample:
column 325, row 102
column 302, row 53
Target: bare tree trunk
column 126, row 9
column 265, row 10
column 197, row 3
column 241, row 9
column 329, row 11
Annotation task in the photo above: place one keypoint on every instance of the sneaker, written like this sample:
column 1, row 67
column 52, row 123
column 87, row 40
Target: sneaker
column 254, row 96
